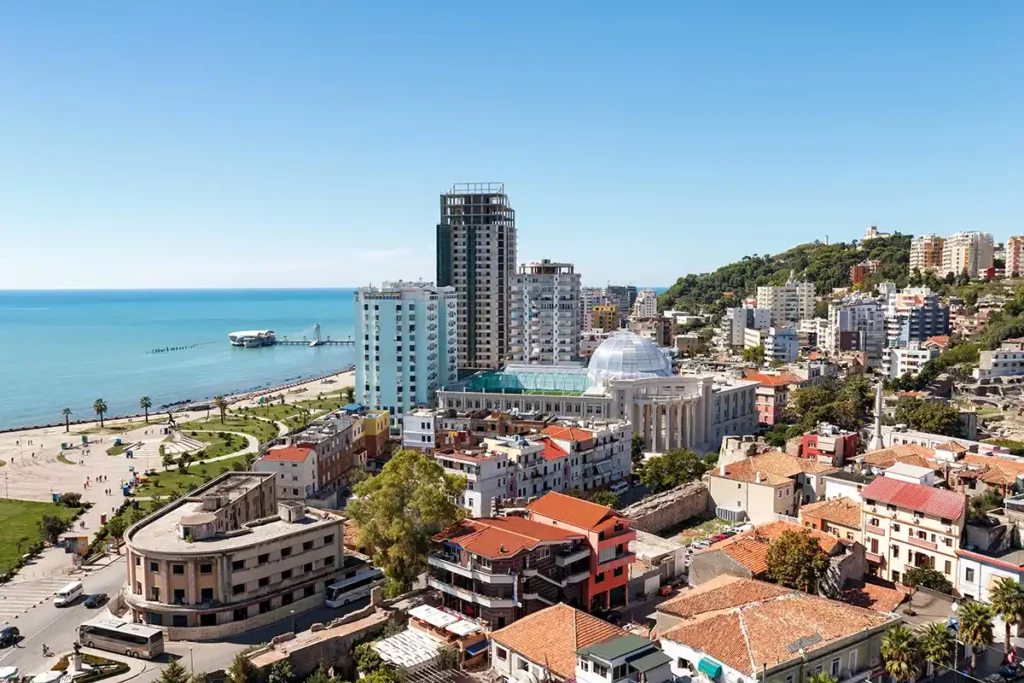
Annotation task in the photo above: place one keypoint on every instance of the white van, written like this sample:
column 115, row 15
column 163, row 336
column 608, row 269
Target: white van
column 68, row 594
column 619, row 488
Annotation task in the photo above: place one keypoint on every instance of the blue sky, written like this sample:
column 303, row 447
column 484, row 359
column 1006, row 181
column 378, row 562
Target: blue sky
column 161, row 144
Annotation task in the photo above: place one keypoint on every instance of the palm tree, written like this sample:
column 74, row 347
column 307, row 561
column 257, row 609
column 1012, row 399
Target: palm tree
column 145, row 404
column 222, row 405
column 1007, row 598
column 67, row 419
column 99, row 406
column 899, row 652
column 975, row 628
column 937, row 644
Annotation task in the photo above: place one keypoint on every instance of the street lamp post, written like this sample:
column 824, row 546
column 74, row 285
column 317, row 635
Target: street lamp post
column 956, row 642
column 191, row 662
column 293, row 621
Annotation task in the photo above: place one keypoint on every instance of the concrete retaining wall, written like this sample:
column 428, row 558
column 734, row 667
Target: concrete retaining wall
column 668, row 509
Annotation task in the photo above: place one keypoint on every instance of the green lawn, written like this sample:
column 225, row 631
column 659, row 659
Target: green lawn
column 219, row 443
column 262, row 430
column 272, row 412
column 165, row 483
column 118, row 450
column 18, row 519
column 62, row 458
column 121, row 427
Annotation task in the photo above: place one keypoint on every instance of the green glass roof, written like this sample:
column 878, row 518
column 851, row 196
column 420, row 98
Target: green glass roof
column 651, row 660
column 618, row 646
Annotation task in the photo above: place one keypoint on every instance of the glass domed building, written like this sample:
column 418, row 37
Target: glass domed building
column 626, row 356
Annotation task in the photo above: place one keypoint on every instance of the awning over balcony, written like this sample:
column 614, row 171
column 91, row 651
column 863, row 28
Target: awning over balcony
column 710, row 667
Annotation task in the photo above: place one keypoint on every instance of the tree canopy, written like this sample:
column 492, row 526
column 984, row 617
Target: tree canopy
column 926, row 577
column 900, row 653
column 796, row 560
column 674, row 468
column 827, row 265
column 400, row 509
column 933, row 417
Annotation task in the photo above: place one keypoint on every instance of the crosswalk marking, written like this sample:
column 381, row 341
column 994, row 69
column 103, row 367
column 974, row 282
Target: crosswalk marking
column 17, row 598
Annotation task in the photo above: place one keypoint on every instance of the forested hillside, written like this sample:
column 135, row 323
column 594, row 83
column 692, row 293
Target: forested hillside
column 827, row 265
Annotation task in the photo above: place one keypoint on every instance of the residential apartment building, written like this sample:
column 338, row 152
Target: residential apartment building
column 629, row 659
column 1006, row 361
column 763, row 486
column 646, row 304
column 546, row 318
column 408, row 335
column 829, row 444
column 1015, row 256
column 839, row 517
column 661, row 331
column 606, row 317
column 926, row 253
column 772, row 394
column 590, row 297
column 500, row 569
column 857, row 323
column 543, row 645
column 789, row 303
column 992, row 551
column 859, row 272
column 525, row 466
column 427, row 429
column 623, row 297
column 914, row 315
column 970, row 252
column 476, row 255
column 911, row 525
column 898, row 361
column 813, row 332
column 781, row 344
column 590, row 340
column 608, row 534
column 230, row 557
column 737, row 321
column 747, row 631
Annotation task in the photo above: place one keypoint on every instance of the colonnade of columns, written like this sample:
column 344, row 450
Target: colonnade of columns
column 664, row 425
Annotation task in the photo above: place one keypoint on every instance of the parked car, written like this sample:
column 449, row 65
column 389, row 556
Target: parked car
column 700, row 545
column 718, row 537
column 9, row 635
column 96, row 600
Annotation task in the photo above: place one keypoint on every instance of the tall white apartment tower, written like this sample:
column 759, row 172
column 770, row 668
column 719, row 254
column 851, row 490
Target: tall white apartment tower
column 967, row 251
column 646, row 304
column 590, row 297
column 789, row 303
column 406, row 343
column 547, row 315
column 1015, row 256
column 476, row 254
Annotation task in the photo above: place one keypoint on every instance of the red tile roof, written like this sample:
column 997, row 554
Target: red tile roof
column 568, row 433
column 573, row 511
column 780, row 380
column 552, row 636
column 750, row 548
column 497, row 537
column 552, row 451
column 872, row 596
column 721, row 592
column 773, row 630
column 288, row 454
column 925, row 499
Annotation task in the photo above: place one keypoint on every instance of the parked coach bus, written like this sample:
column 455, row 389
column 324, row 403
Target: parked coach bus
column 353, row 588
column 133, row 640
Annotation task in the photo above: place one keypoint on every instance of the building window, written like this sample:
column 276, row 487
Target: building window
column 895, row 527
column 600, row 670
column 179, row 596
column 206, row 568
column 522, row 664
column 286, row 574
column 683, row 664
column 264, row 606
column 241, row 614
column 969, row 575
column 328, row 539
column 154, row 567
column 206, row 595
column 599, row 578
column 835, row 667
column 308, row 567
column 309, row 591
column 949, row 567
column 620, row 671
column 896, row 551
column 265, row 581
column 329, row 560
column 263, row 559
column 237, row 565
column 617, row 572
column 238, row 589
column 502, row 653
column 154, row 593
column 307, row 545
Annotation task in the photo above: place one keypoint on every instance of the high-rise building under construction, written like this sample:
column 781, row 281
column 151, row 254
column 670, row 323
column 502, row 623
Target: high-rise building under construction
column 476, row 254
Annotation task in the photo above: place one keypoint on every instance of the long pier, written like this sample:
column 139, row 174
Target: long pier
column 316, row 342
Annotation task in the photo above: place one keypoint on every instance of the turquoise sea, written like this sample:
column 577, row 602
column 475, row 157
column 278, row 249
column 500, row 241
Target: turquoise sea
column 66, row 348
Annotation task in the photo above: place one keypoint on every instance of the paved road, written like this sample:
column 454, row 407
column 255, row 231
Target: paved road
column 44, row 623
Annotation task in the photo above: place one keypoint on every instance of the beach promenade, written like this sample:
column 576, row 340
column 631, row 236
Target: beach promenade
column 36, row 464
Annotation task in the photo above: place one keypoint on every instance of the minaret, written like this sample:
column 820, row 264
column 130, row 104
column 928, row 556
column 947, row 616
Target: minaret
column 875, row 443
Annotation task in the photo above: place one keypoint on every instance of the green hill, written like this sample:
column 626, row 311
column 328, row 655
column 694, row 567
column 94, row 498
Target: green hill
column 826, row 265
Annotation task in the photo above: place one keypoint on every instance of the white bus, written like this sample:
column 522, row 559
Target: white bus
column 353, row 588
column 132, row 640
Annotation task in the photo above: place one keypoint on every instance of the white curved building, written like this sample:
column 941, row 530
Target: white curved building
column 628, row 378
